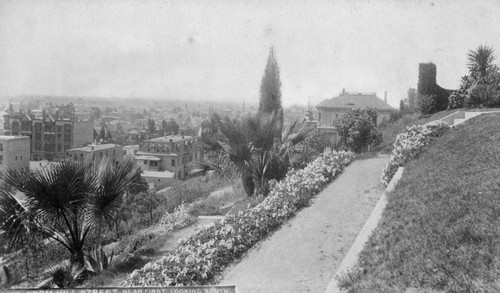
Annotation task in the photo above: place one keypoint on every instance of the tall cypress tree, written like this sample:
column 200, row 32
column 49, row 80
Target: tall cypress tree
column 270, row 88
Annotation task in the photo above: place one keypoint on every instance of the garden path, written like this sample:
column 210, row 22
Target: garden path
column 305, row 252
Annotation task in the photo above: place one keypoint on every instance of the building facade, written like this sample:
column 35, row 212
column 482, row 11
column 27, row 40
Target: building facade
column 331, row 110
column 14, row 153
column 50, row 138
column 173, row 153
column 96, row 153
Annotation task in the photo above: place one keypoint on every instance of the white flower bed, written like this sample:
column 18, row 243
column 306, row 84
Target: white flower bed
column 410, row 144
column 197, row 259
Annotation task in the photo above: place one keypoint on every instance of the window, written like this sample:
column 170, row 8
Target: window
column 100, row 154
column 173, row 163
column 153, row 164
column 1, row 160
column 21, row 157
column 16, row 158
column 145, row 162
column 1, row 147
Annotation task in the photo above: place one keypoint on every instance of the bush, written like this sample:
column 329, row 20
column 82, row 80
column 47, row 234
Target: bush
column 357, row 130
column 177, row 220
column 409, row 145
column 312, row 147
column 483, row 96
column 197, row 259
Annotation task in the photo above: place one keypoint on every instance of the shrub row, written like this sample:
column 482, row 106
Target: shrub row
column 409, row 145
column 199, row 258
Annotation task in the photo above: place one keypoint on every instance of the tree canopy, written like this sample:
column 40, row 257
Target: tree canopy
column 270, row 88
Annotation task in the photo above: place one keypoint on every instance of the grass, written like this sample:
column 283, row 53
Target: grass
column 440, row 227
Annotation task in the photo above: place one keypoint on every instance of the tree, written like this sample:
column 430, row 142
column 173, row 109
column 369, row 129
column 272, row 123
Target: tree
column 96, row 112
column 66, row 203
column 357, row 130
column 401, row 105
column 151, row 126
column 270, row 88
column 108, row 136
column 480, row 87
column 312, row 147
column 163, row 125
column 258, row 149
column 102, row 135
column 172, row 127
column 481, row 64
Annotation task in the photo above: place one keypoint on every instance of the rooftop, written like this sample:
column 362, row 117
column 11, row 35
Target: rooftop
column 157, row 174
column 95, row 147
column 355, row 100
column 10, row 137
column 174, row 138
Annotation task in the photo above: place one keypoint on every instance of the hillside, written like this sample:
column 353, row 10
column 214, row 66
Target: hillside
column 440, row 228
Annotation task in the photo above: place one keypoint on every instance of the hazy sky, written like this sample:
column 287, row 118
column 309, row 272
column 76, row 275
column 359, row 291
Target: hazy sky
column 218, row 49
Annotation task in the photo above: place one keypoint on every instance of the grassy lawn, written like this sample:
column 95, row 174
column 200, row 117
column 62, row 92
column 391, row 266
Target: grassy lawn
column 441, row 227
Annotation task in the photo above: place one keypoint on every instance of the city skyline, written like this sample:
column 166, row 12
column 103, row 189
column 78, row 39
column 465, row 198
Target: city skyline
column 217, row 50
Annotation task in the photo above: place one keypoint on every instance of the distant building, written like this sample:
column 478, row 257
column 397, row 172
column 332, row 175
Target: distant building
column 158, row 179
column 50, row 138
column 172, row 153
column 331, row 110
column 96, row 153
column 130, row 150
column 14, row 153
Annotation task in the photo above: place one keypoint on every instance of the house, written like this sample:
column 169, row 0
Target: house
column 14, row 153
column 331, row 110
column 95, row 153
column 172, row 153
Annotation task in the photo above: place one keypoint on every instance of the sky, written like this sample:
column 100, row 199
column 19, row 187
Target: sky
column 217, row 50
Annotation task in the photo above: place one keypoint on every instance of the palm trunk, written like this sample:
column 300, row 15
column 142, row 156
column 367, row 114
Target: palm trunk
column 248, row 183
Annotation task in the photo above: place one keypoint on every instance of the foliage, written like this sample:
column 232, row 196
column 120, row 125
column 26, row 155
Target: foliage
column 409, row 145
column 66, row 202
column 270, row 88
column 65, row 275
column 357, row 130
column 481, row 86
column 177, row 220
column 440, row 227
column 432, row 98
column 483, row 96
column 97, row 260
column 312, row 147
column 258, row 149
column 151, row 126
column 170, row 127
column 199, row 258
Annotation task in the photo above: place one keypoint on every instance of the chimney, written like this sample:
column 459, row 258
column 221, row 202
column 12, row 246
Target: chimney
column 385, row 96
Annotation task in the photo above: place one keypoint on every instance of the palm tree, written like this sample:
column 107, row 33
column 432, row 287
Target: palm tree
column 65, row 203
column 258, row 149
column 481, row 63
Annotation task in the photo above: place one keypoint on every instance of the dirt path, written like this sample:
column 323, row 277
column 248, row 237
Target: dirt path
column 305, row 253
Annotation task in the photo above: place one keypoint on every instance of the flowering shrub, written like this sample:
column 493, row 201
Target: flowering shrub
column 177, row 220
column 409, row 145
column 197, row 259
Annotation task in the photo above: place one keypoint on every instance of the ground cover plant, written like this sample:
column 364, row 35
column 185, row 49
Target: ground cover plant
column 199, row 258
column 409, row 145
column 440, row 228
